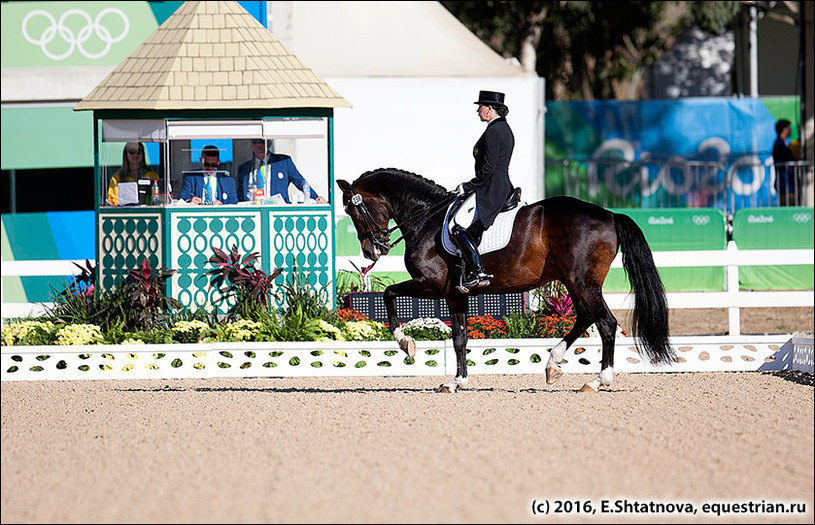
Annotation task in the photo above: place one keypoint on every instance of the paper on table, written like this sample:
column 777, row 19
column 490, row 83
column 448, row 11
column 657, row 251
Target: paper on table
column 128, row 193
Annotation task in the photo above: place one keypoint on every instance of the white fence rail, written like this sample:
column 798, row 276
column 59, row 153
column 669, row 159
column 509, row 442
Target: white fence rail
column 12, row 310
column 731, row 298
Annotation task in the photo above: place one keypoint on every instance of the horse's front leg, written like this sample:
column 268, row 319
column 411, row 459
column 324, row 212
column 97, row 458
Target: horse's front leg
column 412, row 288
column 458, row 320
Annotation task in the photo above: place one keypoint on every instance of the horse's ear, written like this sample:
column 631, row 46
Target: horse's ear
column 344, row 186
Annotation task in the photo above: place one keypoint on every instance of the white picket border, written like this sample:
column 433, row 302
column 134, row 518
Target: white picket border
column 348, row 359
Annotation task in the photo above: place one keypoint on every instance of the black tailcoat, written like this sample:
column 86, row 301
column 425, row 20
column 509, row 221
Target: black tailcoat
column 491, row 183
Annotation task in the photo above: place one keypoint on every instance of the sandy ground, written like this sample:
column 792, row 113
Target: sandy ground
column 383, row 450
column 752, row 321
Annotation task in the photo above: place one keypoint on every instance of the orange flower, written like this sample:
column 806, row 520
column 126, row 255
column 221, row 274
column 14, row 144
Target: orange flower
column 486, row 327
column 349, row 314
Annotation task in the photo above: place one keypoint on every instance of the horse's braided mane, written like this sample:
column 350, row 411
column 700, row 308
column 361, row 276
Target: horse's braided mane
column 423, row 184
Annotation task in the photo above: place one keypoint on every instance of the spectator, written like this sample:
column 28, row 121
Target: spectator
column 134, row 167
column 782, row 157
column 272, row 172
column 210, row 185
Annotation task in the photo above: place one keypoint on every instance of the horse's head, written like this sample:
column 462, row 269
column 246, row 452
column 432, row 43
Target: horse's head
column 370, row 216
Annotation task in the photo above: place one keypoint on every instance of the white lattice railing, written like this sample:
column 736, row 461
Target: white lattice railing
column 433, row 358
column 803, row 354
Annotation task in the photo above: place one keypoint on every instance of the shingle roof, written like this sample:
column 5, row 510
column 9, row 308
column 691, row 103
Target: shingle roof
column 211, row 55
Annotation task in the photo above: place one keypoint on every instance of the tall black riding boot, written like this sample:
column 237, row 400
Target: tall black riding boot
column 474, row 275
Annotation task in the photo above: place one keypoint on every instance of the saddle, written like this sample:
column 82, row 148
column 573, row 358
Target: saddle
column 496, row 237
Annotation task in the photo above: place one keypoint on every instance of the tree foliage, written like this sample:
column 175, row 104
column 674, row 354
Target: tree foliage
column 588, row 50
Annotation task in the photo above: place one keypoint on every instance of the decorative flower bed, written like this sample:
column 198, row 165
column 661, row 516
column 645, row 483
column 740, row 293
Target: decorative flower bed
column 134, row 331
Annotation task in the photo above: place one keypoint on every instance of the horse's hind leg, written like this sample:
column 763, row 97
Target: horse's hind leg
column 607, row 326
column 582, row 322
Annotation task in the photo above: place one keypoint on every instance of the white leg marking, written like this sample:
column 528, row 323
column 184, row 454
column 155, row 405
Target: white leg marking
column 603, row 379
column 454, row 385
column 398, row 334
column 557, row 353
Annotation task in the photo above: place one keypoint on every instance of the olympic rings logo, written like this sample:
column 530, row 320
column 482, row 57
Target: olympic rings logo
column 58, row 27
column 801, row 218
column 700, row 220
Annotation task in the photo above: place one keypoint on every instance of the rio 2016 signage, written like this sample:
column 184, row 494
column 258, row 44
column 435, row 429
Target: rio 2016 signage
column 686, row 152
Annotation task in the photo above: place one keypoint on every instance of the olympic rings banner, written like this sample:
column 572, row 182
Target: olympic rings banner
column 666, row 141
column 48, row 34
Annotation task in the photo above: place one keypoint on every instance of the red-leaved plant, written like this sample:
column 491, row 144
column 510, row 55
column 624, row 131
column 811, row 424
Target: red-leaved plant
column 145, row 288
column 237, row 277
column 561, row 305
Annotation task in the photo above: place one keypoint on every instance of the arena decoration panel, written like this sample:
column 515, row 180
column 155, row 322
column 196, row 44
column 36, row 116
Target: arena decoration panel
column 433, row 358
column 124, row 240
column 194, row 234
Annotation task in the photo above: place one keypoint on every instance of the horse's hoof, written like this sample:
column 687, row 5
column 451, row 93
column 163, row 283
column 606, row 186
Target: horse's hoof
column 587, row 388
column 408, row 345
column 553, row 373
column 447, row 388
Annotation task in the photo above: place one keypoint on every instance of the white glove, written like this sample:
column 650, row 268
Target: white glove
column 460, row 189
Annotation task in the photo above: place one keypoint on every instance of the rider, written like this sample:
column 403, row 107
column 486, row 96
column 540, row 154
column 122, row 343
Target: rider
column 490, row 188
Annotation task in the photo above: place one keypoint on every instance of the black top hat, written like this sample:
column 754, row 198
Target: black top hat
column 489, row 98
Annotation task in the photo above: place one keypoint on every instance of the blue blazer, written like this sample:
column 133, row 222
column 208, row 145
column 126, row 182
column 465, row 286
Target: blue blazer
column 283, row 171
column 194, row 187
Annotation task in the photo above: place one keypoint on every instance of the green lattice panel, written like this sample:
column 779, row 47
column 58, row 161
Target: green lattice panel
column 193, row 236
column 124, row 240
column 302, row 239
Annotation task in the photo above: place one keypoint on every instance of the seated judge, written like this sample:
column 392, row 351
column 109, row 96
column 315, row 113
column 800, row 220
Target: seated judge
column 279, row 170
column 134, row 167
column 210, row 185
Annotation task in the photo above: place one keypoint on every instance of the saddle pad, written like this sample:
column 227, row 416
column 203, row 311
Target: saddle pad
column 495, row 238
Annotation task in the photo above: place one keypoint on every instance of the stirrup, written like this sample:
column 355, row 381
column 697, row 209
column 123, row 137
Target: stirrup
column 476, row 280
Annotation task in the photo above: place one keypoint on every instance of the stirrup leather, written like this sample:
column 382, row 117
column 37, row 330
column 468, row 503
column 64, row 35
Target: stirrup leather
column 468, row 281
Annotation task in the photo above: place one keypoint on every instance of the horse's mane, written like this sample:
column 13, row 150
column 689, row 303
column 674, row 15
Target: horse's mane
column 412, row 183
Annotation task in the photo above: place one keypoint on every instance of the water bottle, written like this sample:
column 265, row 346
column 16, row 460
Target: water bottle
column 154, row 193
column 306, row 193
column 250, row 187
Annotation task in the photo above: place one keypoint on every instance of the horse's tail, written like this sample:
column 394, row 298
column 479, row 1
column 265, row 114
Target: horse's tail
column 650, row 318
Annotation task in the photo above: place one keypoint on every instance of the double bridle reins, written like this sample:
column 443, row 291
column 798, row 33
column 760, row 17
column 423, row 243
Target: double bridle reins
column 380, row 237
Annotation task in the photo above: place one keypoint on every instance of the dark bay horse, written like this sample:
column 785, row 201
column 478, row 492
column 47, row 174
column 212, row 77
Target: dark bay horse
column 559, row 238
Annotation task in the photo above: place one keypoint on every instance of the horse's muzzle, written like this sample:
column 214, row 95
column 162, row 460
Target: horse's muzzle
column 371, row 252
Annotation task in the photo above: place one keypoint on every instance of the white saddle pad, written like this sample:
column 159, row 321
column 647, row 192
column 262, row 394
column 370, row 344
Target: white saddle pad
column 495, row 238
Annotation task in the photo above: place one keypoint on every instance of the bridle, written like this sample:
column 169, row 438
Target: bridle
column 380, row 237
